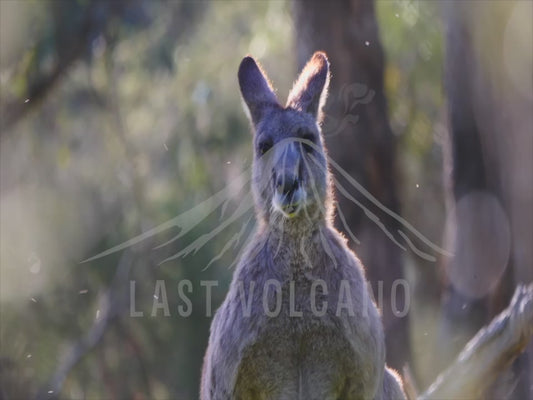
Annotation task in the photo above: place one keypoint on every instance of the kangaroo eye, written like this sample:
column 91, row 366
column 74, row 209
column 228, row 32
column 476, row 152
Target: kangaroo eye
column 264, row 146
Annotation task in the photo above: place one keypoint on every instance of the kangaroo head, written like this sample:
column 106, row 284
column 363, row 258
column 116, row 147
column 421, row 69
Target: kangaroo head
column 290, row 177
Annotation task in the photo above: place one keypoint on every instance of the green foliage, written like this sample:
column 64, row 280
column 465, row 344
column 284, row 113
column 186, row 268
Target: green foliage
column 412, row 37
column 142, row 128
column 144, row 125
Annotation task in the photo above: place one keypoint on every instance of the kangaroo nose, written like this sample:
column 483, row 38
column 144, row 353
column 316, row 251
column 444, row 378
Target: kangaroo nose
column 287, row 184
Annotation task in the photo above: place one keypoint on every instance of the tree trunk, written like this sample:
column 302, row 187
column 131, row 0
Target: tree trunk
column 491, row 155
column 359, row 138
column 493, row 349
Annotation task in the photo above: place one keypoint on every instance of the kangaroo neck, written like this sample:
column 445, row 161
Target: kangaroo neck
column 296, row 248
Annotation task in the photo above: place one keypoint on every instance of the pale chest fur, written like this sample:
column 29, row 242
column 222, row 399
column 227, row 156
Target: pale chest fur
column 300, row 342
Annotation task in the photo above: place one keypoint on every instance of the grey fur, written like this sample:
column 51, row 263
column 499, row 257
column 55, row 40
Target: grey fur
column 305, row 348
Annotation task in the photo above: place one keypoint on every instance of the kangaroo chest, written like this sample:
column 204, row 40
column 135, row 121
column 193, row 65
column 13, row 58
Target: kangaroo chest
column 301, row 350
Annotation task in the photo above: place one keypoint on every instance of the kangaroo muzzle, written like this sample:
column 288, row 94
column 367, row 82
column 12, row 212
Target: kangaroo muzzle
column 289, row 195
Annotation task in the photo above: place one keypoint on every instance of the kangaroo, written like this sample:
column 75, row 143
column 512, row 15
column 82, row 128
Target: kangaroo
column 298, row 321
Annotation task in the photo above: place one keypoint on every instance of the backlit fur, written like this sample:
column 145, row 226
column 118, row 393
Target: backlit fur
column 298, row 353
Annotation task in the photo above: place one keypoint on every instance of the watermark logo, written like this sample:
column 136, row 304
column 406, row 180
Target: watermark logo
column 272, row 298
column 240, row 196
column 242, row 215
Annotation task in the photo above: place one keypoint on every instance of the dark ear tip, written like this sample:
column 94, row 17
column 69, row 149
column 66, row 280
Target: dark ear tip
column 248, row 59
column 246, row 63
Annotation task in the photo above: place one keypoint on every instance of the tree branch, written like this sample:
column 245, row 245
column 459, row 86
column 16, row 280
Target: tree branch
column 111, row 304
column 487, row 354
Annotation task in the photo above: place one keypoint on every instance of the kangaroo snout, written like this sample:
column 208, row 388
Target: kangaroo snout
column 286, row 185
column 287, row 166
column 289, row 195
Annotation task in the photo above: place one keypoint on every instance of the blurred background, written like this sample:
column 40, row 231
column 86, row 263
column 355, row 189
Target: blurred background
column 120, row 118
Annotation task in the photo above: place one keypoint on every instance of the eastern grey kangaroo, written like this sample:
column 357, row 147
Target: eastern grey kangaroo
column 298, row 321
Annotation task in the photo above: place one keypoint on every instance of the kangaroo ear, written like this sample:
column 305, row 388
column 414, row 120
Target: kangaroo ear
column 255, row 89
column 311, row 88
